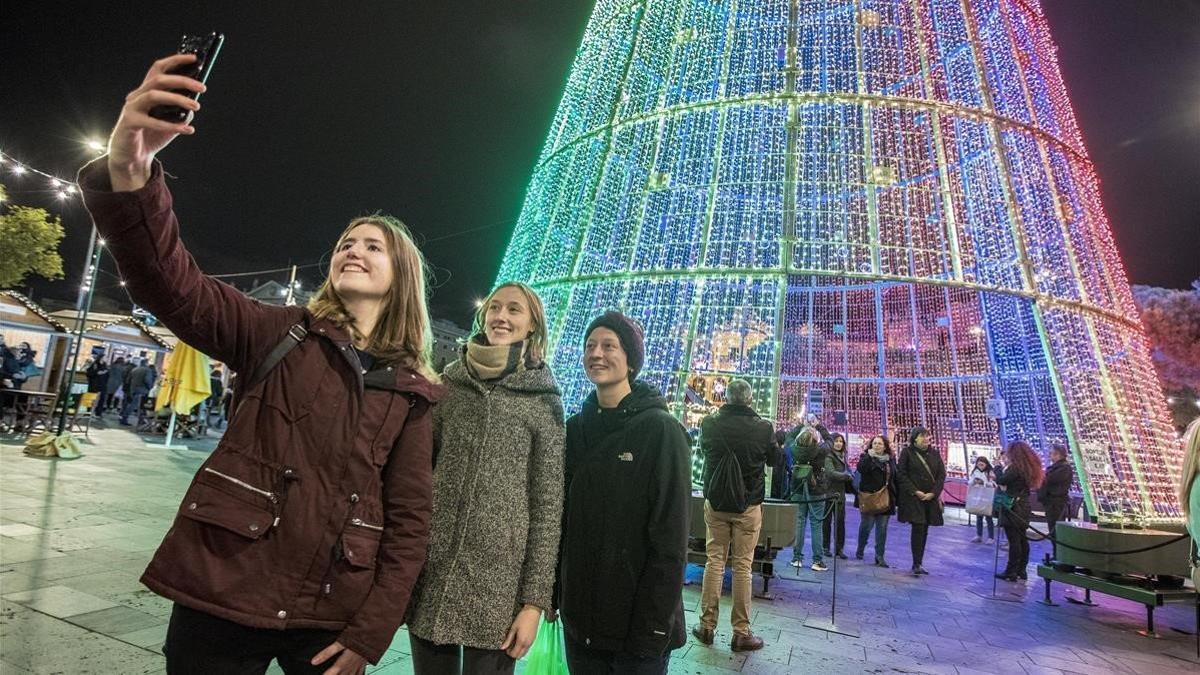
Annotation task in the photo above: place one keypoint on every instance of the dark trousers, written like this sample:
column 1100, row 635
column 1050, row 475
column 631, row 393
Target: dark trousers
column 433, row 659
column 838, row 511
column 1055, row 511
column 133, row 404
column 201, row 644
column 920, row 534
column 101, row 403
column 583, row 660
column 1018, row 548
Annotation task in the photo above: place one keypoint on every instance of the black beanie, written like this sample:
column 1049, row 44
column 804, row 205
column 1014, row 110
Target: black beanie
column 628, row 332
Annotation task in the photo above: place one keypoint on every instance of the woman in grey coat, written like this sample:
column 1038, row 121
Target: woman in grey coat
column 497, row 496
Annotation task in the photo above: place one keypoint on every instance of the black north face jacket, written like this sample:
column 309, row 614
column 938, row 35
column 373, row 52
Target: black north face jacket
column 625, row 529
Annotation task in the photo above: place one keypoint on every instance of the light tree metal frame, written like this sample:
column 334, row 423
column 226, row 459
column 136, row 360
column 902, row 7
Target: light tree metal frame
column 888, row 201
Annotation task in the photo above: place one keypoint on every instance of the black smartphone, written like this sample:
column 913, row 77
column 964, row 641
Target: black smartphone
column 206, row 48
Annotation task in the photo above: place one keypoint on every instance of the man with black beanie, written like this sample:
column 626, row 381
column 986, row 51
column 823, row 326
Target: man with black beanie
column 625, row 526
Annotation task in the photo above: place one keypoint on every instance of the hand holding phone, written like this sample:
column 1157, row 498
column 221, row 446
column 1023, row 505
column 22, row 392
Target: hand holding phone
column 205, row 48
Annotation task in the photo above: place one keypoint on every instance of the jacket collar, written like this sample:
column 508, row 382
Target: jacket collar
column 738, row 409
column 397, row 378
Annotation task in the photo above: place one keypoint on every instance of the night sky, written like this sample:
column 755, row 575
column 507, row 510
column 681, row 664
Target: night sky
column 435, row 112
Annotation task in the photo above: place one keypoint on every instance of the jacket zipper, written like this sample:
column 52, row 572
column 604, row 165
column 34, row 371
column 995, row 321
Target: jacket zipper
column 243, row 484
column 358, row 522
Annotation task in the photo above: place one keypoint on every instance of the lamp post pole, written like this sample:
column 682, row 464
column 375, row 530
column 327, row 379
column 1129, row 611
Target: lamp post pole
column 86, row 293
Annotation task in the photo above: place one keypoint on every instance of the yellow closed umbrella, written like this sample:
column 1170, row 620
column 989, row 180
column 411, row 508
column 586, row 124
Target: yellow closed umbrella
column 185, row 383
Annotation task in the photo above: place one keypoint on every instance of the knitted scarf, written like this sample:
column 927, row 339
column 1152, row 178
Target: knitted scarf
column 492, row 362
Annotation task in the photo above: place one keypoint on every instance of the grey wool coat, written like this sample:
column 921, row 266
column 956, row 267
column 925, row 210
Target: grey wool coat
column 497, row 507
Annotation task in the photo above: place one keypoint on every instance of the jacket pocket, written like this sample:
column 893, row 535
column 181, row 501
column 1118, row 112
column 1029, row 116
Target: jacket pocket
column 360, row 544
column 352, row 573
column 206, row 504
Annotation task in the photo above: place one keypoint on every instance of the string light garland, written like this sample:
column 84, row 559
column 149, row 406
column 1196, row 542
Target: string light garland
column 63, row 188
column 881, row 208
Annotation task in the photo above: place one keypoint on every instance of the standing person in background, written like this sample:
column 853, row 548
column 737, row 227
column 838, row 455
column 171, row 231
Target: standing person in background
column 1055, row 490
column 8, row 366
column 734, row 430
column 102, row 376
column 810, row 486
column 97, row 375
column 1023, row 474
column 1189, row 493
column 840, row 484
column 625, row 530
column 116, row 377
column 780, row 475
column 982, row 474
column 216, row 390
column 138, row 383
column 877, row 467
column 920, row 477
column 497, row 489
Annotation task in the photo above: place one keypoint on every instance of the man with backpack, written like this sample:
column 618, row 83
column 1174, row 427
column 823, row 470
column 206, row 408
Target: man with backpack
column 736, row 445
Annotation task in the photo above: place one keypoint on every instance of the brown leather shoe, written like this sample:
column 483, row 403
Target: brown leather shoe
column 703, row 634
column 745, row 642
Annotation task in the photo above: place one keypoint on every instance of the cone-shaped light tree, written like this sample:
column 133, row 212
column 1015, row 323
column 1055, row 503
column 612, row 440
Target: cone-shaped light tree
column 881, row 210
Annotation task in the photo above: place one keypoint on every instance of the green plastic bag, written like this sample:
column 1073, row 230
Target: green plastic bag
column 547, row 655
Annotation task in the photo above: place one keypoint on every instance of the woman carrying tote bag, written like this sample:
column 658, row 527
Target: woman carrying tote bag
column 876, row 498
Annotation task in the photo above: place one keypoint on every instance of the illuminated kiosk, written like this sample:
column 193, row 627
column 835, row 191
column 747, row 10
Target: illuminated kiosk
column 884, row 208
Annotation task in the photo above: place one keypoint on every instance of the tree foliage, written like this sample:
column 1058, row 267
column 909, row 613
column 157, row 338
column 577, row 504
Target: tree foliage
column 29, row 240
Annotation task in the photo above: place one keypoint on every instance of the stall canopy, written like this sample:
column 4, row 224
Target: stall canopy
column 117, row 329
column 19, row 313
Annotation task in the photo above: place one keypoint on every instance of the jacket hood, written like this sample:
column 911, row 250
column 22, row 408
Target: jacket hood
column 528, row 381
column 642, row 397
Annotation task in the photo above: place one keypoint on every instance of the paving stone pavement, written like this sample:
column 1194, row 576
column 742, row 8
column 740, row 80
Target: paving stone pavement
column 75, row 536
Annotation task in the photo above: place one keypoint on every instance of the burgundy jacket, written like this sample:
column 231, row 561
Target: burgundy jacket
column 313, row 512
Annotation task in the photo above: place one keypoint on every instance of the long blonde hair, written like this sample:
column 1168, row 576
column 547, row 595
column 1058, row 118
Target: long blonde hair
column 402, row 333
column 1191, row 463
column 537, row 316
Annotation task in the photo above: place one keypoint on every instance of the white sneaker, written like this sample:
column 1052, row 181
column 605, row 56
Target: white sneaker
column 976, row 540
column 797, row 564
column 818, row 567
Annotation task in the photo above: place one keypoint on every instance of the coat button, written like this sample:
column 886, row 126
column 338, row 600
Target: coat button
column 254, row 527
column 281, row 614
column 354, row 498
column 192, row 506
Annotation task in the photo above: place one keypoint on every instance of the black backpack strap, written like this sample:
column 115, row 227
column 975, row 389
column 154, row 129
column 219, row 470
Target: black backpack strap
column 294, row 337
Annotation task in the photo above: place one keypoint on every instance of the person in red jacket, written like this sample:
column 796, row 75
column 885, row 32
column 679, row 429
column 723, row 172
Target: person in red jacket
column 302, row 535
